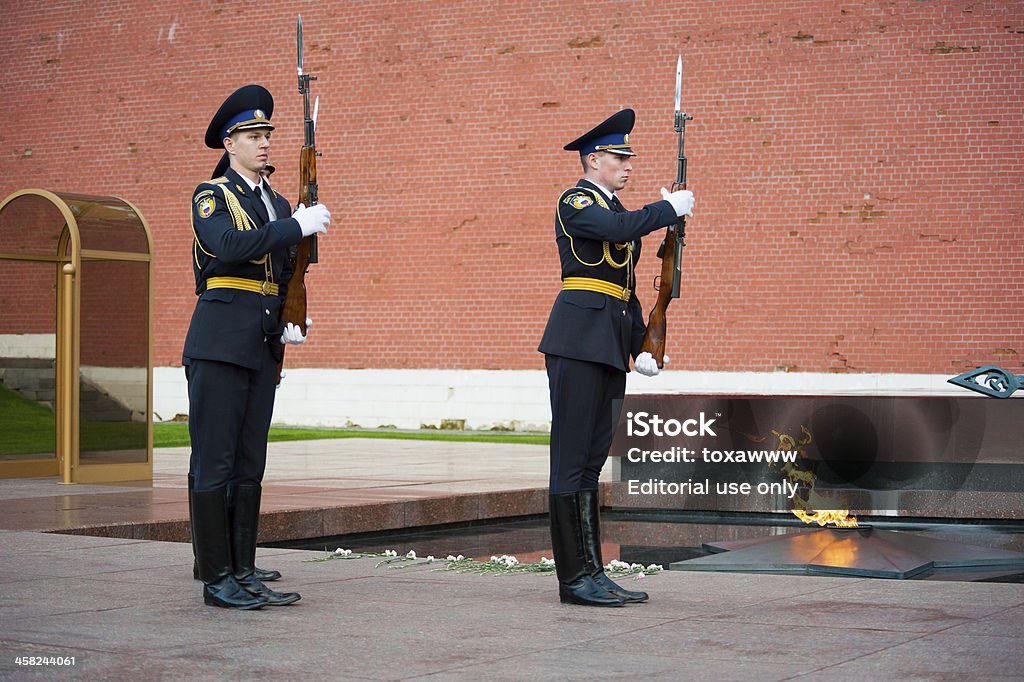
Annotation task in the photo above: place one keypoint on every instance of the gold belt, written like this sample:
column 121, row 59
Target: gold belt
column 598, row 285
column 255, row 285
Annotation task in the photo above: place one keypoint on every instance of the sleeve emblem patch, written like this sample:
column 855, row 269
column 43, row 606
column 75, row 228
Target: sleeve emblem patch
column 579, row 201
column 205, row 207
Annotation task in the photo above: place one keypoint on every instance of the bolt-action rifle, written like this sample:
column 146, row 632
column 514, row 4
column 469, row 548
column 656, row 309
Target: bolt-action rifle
column 294, row 309
column 671, row 252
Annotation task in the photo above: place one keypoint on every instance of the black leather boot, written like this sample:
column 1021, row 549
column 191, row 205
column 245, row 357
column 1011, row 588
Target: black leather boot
column 265, row 575
column 213, row 552
column 192, row 527
column 590, row 515
column 262, row 574
column 576, row 585
column 245, row 521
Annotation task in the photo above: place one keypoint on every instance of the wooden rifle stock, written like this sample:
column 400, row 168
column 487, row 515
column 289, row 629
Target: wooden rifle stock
column 294, row 308
column 654, row 339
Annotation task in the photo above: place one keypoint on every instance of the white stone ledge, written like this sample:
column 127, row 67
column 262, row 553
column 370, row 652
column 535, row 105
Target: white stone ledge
column 516, row 399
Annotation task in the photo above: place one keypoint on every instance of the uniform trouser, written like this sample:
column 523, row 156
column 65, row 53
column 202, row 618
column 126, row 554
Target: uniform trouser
column 229, row 413
column 583, row 418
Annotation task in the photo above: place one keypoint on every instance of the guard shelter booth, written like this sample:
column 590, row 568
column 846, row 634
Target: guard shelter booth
column 76, row 345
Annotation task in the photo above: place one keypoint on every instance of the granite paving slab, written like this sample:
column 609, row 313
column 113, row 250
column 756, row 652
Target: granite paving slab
column 129, row 609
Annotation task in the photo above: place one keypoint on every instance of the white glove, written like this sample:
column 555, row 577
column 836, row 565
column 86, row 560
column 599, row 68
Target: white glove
column 314, row 219
column 647, row 365
column 681, row 200
column 292, row 333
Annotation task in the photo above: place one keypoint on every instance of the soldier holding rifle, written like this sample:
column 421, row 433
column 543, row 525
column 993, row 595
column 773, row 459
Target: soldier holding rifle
column 245, row 237
column 594, row 328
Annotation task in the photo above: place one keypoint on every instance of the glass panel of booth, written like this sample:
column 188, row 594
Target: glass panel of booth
column 27, row 359
column 30, row 232
column 31, row 226
column 75, row 337
column 107, row 224
column 113, row 361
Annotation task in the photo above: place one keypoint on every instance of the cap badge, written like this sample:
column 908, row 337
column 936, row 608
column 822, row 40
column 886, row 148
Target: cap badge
column 259, row 115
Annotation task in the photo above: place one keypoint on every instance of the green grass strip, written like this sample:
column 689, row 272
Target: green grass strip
column 28, row 428
column 176, row 435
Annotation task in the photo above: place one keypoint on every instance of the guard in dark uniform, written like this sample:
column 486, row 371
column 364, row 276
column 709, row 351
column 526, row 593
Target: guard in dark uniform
column 262, row 574
column 595, row 326
column 241, row 257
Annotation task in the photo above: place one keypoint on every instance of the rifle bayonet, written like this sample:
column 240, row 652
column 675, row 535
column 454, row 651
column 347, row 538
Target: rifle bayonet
column 680, row 183
column 679, row 83
column 299, row 43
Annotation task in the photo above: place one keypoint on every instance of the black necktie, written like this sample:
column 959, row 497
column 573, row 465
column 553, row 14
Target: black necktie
column 618, row 204
column 261, row 208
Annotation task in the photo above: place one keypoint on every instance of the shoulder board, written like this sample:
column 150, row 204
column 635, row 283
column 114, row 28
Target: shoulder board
column 226, row 184
column 208, row 186
column 581, row 197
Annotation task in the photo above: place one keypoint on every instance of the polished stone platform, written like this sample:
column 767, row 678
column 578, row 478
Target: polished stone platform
column 129, row 609
column 311, row 489
column 861, row 551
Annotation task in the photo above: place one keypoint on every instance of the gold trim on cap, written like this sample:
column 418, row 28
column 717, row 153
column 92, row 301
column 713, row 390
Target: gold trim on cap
column 251, row 123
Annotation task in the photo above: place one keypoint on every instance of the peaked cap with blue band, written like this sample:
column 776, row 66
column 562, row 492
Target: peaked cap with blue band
column 611, row 135
column 250, row 106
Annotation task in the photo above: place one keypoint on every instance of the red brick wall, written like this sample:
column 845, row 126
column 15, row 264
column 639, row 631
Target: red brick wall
column 28, row 288
column 857, row 166
column 113, row 316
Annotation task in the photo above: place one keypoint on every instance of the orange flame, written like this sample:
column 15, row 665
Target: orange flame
column 839, row 518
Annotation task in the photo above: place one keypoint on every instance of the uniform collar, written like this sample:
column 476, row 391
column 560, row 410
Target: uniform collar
column 604, row 190
column 249, row 183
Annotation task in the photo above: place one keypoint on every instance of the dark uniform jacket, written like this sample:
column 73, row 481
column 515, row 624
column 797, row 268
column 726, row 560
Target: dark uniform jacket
column 233, row 240
column 599, row 239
